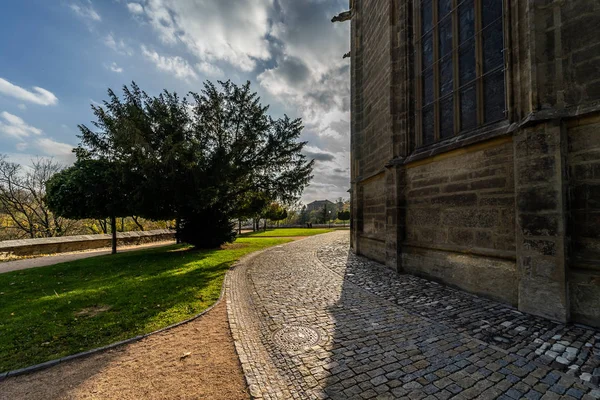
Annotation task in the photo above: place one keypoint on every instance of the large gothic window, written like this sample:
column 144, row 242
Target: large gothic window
column 460, row 66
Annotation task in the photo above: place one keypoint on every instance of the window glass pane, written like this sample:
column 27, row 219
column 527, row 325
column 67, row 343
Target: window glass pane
column 445, row 37
column 492, row 10
column 492, row 46
column 444, row 8
column 466, row 20
column 428, row 86
column 446, row 78
column 426, row 16
column 466, row 62
column 427, row 50
column 468, row 108
column 493, row 86
column 447, row 117
column 428, row 127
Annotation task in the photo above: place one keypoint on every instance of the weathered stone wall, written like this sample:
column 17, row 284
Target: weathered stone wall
column 460, row 220
column 541, row 233
column 584, row 218
column 373, row 208
column 584, row 182
column 29, row 247
column 375, row 106
column 487, row 276
column 511, row 211
column 371, row 127
column 465, row 201
column 567, row 52
column 372, row 234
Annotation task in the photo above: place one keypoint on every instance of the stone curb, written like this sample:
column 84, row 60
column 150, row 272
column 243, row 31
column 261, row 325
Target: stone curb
column 244, row 357
column 52, row 363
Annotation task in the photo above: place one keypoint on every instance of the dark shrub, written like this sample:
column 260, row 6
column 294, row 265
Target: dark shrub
column 208, row 229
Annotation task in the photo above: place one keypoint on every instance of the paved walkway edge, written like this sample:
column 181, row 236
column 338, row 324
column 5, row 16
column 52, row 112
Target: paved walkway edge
column 52, row 363
column 244, row 322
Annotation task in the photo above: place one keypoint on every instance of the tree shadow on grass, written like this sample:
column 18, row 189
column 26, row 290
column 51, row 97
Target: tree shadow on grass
column 44, row 310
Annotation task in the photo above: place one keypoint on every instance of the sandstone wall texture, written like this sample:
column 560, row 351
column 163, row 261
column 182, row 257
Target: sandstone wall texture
column 29, row 247
column 510, row 210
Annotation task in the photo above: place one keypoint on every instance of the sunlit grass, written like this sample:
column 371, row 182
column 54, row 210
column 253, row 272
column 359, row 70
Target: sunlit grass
column 54, row 311
column 288, row 232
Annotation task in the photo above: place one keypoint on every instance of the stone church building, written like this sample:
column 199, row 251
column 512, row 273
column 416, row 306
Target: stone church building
column 476, row 147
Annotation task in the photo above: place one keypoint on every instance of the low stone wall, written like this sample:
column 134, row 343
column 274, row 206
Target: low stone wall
column 30, row 247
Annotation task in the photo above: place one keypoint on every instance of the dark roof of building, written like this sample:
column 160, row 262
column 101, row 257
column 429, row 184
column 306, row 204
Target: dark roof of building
column 320, row 202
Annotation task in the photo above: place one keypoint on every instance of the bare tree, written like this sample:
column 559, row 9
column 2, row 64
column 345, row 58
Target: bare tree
column 22, row 192
column 136, row 220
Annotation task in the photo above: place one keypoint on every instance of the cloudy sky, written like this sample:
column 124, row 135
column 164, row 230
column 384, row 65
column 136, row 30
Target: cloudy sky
column 60, row 56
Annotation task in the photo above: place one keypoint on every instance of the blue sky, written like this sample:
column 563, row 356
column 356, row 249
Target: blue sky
column 59, row 56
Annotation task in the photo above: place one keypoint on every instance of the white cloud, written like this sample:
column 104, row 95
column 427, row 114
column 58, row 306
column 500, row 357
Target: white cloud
column 85, row 10
column 311, row 79
column 50, row 147
column 226, row 30
column 117, row 45
column 135, row 8
column 306, row 75
column 177, row 66
column 16, row 127
column 38, row 95
column 209, row 69
column 115, row 68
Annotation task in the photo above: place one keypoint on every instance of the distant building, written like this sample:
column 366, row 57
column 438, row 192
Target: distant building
column 319, row 204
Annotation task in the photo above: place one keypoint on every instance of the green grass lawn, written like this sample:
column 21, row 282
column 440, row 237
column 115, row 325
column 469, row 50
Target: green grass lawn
column 50, row 312
column 287, row 232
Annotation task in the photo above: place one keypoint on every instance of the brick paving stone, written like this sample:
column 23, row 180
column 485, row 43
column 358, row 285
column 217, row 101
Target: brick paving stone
column 311, row 320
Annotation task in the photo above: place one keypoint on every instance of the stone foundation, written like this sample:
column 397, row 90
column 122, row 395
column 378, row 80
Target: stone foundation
column 30, row 247
column 509, row 210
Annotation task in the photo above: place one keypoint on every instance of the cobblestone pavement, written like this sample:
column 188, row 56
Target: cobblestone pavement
column 312, row 321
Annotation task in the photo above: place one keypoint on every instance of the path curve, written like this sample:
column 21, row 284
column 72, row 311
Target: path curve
column 359, row 343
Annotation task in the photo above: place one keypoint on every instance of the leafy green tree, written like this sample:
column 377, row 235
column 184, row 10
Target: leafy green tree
column 251, row 205
column 90, row 189
column 275, row 212
column 202, row 162
column 344, row 216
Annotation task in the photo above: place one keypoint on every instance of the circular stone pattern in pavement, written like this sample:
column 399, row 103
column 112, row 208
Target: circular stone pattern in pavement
column 296, row 337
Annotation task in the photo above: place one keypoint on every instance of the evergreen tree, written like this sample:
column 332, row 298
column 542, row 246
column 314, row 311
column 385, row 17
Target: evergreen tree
column 202, row 162
column 91, row 189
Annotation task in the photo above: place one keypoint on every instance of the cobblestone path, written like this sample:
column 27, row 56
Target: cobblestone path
column 312, row 321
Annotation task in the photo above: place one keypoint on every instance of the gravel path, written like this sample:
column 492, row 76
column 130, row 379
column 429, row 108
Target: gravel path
column 311, row 321
column 154, row 368
column 44, row 261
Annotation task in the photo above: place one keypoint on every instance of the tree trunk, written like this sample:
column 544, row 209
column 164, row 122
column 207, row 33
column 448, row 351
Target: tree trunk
column 135, row 219
column 265, row 224
column 177, row 221
column 103, row 226
column 239, row 226
column 113, row 228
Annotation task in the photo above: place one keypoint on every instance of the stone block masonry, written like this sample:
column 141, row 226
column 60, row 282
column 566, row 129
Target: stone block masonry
column 312, row 321
column 64, row 244
column 510, row 209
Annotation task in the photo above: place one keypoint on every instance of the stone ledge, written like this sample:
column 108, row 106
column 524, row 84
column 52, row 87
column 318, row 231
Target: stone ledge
column 28, row 247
